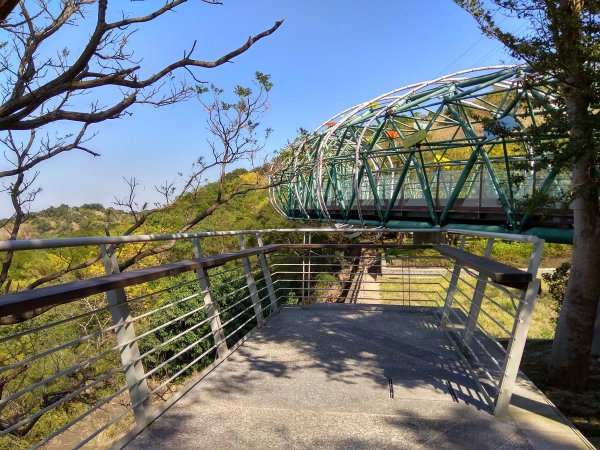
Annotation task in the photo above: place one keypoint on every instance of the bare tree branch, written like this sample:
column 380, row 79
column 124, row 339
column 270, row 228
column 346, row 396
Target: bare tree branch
column 14, row 114
column 6, row 7
column 44, row 86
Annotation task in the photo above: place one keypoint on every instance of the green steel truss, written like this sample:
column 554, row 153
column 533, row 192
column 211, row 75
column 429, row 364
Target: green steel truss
column 453, row 152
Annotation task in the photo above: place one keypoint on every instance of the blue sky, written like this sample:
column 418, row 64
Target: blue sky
column 326, row 57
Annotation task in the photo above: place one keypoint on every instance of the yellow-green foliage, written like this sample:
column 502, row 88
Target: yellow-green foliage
column 249, row 211
column 428, row 291
column 81, row 360
column 517, row 253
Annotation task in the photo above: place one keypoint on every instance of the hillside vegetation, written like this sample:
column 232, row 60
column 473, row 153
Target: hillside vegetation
column 249, row 211
column 252, row 210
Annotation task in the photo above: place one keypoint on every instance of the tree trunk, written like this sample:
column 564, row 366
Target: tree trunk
column 569, row 359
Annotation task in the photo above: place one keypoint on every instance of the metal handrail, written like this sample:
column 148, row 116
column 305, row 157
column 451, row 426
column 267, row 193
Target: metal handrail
column 35, row 244
column 212, row 318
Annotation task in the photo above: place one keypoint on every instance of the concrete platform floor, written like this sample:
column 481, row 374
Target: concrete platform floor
column 341, row 377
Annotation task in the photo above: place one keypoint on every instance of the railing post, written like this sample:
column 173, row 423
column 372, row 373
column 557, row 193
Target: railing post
column 535, row 258
column 308, row 274
column 251, row 285
column 262, row 257
column 135, row 375
column 452, row 286
column 304, row 268
column 212, row 309
column 480, row 287
column 516, row 345
column 514, row 352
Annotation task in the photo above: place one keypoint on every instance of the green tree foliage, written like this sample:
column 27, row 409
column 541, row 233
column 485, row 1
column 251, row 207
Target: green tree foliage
column 185, row 345
column 167, row 344
column 80, row 362
column 557, row 283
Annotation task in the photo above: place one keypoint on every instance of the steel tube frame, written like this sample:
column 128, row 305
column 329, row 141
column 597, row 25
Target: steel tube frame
column 357, row 142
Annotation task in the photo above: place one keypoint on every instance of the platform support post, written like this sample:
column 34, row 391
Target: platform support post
column 212, row 308
column 251, row 283
column 133, row 368
column 262, row 257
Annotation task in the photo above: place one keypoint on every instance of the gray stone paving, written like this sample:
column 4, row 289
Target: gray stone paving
column 320, row 378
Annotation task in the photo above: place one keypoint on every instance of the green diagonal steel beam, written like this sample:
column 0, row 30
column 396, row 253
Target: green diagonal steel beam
column 459, row 185
column 398, row 186
column 510, row 215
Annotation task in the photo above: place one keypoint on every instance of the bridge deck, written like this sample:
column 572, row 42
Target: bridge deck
column 322, row 378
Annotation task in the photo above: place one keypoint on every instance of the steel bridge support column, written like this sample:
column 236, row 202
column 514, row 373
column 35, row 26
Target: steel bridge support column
column 212, row 309
column 135, row 375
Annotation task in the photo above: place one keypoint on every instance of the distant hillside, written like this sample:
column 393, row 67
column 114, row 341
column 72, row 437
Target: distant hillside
column 252, row 210
column 249, row 211
column 71, row 221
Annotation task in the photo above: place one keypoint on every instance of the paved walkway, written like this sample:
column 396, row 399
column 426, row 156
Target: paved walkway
column 337, row 377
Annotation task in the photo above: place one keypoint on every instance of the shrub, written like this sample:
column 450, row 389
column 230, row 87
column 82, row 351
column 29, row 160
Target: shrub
column 557, row 283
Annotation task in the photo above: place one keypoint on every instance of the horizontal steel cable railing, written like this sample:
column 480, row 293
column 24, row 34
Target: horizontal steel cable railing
column 104, row 354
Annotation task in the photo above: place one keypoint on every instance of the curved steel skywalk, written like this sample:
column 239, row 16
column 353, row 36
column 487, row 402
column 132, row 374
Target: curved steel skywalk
column 454, row 152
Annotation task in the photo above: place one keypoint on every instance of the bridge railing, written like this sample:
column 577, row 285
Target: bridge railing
column 86, row 361
column 407, row 275
column 479, row 189
column 492, row 191
column 483, row 308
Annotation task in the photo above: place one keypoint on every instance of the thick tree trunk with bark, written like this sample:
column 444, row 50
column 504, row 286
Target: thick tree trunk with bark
column 569, row 360
column 562, row 40
column 570, row 355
